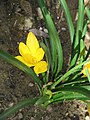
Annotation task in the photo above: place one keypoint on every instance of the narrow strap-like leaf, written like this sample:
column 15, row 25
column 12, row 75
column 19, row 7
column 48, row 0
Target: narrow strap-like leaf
column 12, row 60
column 79, row 89
column 87, row 12
column 68, row 95
column 56, row 48
column 82, row 43
column 68, row 73
column 76, row 42
column 16, row 107
column 48, row 58
column 68, row 18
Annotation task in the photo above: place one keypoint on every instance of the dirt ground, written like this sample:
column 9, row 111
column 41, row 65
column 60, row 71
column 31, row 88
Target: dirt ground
column 17, row 18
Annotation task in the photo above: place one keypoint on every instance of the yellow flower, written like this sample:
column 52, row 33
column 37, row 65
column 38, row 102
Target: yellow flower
column 31, row 54
column 87, row 65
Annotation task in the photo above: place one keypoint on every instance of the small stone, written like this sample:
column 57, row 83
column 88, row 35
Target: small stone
column 87, row 118
column 40, row 13
column 40, row 28
column 31, row 85
column 67, row 113
column 32, row 118
column 46, row 118
column 86, row 2
column 11, row 104
column 45, row 30
column 20, row 116
column 49, row 109
column 63, row 29
column 0, row 104
column 26, row 25
column 58, row 17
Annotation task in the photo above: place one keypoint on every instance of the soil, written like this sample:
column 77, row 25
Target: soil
column 17, row 18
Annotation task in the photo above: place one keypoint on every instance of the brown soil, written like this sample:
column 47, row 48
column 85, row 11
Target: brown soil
column 16, row 19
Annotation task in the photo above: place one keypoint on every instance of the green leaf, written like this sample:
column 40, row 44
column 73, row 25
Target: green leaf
column 78, row 37
column 16, row 107
column 67, row 95
column 82, row 44
column 48, row 59
column 55, row 45
column 87, row 12
column 12, row 60
column 76, row 81
column 87, row 86
column 68, row 18
column 68, row 73
column 60, row 96
column 42, row 100
column 78, row 89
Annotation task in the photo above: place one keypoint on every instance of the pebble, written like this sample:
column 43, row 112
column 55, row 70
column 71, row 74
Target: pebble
column 39, row 13
column 11, row 104
column 27, row 24
column 63, row 29
column 45, row 30
column 31, row 85
column 32, row 118
column 86, row 2
column 49, row 109
column 20, row 116
column 87, row 118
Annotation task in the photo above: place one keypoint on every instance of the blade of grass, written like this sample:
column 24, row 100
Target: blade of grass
column 68, row 18
column 78, row 89
column 77, row 81
column 16, row 107
column 67, row 95
column 84, row 29
column 82, row 44
column 76, row 42
column 42, row 100
column 12, row 60
column 48, row 59
column 56, row 48
column 87, row 86
column 52, row 42
column 87, row 12
column 68, row 73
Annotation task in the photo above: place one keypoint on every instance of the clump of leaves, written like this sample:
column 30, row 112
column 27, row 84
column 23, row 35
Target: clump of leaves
column 55, row 86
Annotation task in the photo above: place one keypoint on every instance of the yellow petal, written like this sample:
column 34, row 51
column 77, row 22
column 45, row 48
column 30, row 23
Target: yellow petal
column 23, row 61
column 39, row 54
column 32, row 43
column 25, row 53
column 87, row 65
column 40, row 67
